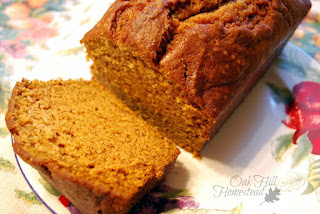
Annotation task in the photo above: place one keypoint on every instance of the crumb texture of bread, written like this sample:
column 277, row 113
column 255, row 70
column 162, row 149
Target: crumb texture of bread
column 78, row 132
column 183, row 63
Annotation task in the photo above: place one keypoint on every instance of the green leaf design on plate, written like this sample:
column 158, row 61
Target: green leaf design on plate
column 6, row 165
column 302, row 151
column 49, row 188
column 236, row 210
column 71, row 51
column 281, row 95
column 175, row 193
column 29, row 198
column 313, row 178
column 281, row 145
column 288, row 64
column 298, row 63
column 292, row 181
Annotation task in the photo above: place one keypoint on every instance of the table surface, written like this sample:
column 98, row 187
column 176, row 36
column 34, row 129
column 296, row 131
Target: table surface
column 28, row 26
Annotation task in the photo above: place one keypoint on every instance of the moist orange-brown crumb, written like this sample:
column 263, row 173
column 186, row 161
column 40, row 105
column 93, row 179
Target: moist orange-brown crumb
column 187, row 64
column 78, row 131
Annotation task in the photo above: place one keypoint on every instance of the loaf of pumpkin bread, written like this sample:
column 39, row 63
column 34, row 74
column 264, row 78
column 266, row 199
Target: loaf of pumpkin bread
column 87, row 144
column 187, row 64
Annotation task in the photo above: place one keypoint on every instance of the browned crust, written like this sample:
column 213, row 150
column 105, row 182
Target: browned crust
column 145, row 18
column 88, row 201
column 84, row 192
column 9, row 117
column 244, row 90
column 193, row 52
column 209, row 71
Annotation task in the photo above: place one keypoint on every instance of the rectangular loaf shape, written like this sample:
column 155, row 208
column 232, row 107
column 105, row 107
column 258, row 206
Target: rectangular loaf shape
column 187, row 64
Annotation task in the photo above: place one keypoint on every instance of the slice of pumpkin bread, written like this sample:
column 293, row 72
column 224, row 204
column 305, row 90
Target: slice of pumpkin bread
column 87, row 144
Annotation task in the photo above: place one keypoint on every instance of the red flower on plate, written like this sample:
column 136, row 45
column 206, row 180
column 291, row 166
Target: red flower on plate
column 64, row 200
column 304, row 113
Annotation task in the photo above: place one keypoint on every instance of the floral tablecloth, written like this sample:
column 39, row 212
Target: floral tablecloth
column 35, row 35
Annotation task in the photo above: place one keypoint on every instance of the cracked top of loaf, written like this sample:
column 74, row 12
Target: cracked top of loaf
column 203, row 46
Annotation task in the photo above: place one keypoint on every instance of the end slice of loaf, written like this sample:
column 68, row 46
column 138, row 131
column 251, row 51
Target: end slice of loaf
column 87, row 144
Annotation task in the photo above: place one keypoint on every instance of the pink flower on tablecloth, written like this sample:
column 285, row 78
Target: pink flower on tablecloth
column 38, row 31
column 25, row 29
column 15, row 49
column 304, row 113
column 34, row 29
column 4, row 1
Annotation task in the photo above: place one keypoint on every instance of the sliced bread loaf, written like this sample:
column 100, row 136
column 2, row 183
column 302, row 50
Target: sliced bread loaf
column 187, row 64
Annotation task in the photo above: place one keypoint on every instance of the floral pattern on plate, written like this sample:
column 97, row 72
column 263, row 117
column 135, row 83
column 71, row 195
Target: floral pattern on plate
column 303, row 115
